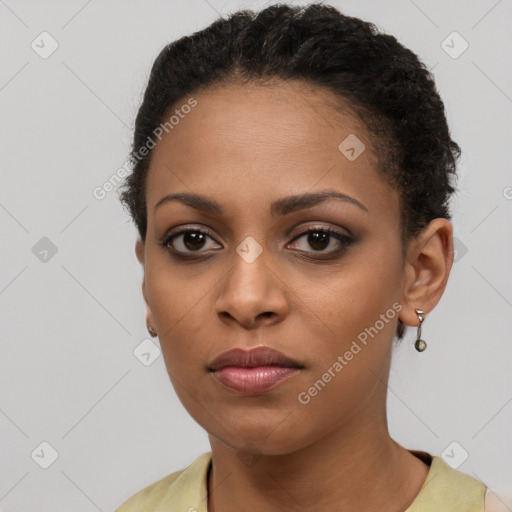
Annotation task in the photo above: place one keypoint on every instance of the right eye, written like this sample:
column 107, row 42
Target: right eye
column 187, row 241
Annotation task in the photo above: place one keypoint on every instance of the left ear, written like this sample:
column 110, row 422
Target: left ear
column 428, row 264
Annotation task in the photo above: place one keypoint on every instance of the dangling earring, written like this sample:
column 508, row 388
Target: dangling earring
column 151, row 331
column 420, row 344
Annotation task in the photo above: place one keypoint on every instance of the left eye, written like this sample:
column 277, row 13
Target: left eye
column 320, row 238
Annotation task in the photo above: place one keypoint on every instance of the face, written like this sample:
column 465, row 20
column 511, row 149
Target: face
column 315, row 280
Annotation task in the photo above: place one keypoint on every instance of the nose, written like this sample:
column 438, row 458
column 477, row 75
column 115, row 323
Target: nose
column 252, row 294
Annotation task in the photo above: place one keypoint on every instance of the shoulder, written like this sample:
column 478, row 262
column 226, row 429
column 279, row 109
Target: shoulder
column 149, row 496
column 446, row 488
column 187, row 486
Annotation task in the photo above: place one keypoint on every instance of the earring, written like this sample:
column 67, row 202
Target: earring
column 420, row 344
column 151, row 330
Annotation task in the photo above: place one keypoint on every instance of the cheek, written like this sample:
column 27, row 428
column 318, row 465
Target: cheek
column 353, row 296
column 179, row 306
column 350, row 360
column 375, row 281
column 358, row 311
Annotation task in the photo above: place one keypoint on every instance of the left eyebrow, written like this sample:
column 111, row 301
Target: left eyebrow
column 292, row 204
column 281, row 206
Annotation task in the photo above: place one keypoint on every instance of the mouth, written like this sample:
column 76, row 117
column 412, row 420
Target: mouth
column 254, row 371
column 259, row 356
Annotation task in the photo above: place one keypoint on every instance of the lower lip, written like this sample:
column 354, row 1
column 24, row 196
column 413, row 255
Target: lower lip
column 253, row 380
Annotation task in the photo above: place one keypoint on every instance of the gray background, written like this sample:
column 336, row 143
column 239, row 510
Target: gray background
column 70, row 321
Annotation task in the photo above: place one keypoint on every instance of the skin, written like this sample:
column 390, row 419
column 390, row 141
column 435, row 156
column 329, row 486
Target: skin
column 246, row 146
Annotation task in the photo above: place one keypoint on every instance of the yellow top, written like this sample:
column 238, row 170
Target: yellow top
column 186, row 491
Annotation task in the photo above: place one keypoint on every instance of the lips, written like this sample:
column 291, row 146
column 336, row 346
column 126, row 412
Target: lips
column 253, row 372
column 260, row 356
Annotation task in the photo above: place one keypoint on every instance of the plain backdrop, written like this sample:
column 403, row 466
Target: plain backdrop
column 72, row 313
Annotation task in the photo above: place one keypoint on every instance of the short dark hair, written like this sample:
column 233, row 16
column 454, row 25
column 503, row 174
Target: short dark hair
column 386, row 85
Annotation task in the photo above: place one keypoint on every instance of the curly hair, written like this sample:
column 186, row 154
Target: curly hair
column 374, row 76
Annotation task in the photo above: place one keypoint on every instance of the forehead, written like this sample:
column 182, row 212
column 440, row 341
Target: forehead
column 263, row 141
column 291, row 119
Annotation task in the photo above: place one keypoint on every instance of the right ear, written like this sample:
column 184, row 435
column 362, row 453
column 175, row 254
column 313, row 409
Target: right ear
column 139, row 252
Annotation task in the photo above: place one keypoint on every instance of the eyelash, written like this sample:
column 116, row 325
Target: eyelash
column 345, row 240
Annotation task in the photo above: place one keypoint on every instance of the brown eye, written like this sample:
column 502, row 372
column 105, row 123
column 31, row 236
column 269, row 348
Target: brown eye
column 189, row 240
column 321, row 238
column 318, row 240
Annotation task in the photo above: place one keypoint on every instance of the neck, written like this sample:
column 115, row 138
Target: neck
column 357, row 467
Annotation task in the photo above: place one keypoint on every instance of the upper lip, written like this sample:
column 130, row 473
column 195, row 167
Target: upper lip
column 259, row 356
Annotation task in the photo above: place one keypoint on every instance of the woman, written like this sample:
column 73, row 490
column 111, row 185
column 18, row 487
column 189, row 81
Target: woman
column 291, row 175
